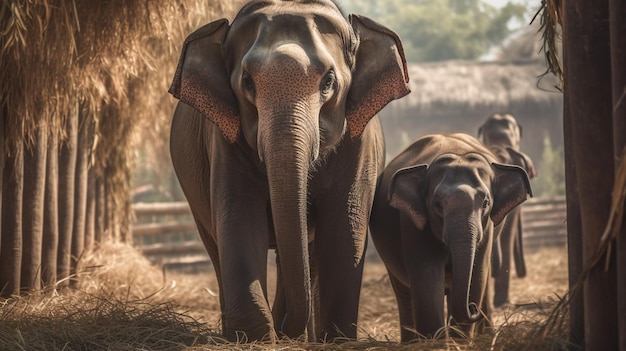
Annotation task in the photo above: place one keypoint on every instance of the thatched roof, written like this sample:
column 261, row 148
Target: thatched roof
column 524, row 44
column 442, row 88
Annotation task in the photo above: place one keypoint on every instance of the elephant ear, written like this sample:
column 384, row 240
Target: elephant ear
column 406, row 196
column 380, row 74
column 511, row 187
column 521, row 159
column 202, row 80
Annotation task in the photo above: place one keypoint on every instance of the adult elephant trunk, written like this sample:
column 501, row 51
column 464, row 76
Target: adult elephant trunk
column 462, row 236
column 288, row 147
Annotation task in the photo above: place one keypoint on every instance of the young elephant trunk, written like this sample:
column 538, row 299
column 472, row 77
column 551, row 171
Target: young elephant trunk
column 462, row 241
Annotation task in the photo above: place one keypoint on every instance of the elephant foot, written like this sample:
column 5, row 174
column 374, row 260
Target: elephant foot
column 263, row 333
column 334, row 336
column 501, row 302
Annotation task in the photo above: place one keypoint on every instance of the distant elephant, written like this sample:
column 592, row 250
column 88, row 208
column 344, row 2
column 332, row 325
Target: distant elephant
column 501, row 133
column 432, row 223
column 276, row 144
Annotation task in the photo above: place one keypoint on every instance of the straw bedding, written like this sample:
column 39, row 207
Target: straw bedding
column 121, row 302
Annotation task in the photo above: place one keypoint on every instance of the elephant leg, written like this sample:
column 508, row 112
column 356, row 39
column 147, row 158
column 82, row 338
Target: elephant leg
column 279, row 307
column 503, row 276
column 211, row 247
column 243, row 261
column 243, row 239
column 315, row 323
column 339, row 256
column 425, row 259
column 487, row 308
column 496, row 254
column 403, row 298
column 518, row 248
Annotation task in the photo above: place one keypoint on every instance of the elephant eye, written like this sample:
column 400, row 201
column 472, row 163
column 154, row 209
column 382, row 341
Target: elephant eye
column 485, row 203
column 328, row 83
column 247, row 82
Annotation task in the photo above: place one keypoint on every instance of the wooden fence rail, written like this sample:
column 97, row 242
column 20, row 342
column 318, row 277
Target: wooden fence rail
column 167, row 235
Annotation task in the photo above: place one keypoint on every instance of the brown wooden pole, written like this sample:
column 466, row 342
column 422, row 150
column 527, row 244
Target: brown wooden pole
column 100, row 210
column 80, row 187
column 3, row 114
column 90, row 214
column 617, row 15
column 32, row 213
column 67, row 172
column 11, row 238
column 51, row 214
column 589, row 82
column 574, row 226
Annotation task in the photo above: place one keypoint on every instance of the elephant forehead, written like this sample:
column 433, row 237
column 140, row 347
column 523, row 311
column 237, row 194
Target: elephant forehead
column 498, row 122
column 470, row 158
column 269, row 22
column 471, row 167
column 292, row 54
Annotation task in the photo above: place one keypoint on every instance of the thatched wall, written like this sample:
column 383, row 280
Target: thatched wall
column 458, row 96
column 89, row 76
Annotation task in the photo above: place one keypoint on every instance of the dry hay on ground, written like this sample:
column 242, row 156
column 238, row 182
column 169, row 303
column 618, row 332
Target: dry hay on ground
column 121, row 302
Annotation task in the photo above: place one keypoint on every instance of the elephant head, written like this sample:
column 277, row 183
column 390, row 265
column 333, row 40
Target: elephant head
column 290, row 80
column 501, row 129
column 459, row 199
column 502, row 133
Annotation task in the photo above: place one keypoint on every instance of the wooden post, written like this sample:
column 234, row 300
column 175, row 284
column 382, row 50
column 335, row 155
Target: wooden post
column 11, row 238
column 100, row 210
column 617, row 11
column 50, row 243
column 588, row 75
column 574, row 226
column 90, row 215
column 32, row 213
column 83, row 152
column 67, row 172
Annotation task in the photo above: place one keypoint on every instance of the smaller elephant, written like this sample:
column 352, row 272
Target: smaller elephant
column 501, row 133
column 432, row 223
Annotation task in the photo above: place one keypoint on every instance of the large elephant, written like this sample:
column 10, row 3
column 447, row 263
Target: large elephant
column 276, row 143
column 432, row 223
column 502, row 133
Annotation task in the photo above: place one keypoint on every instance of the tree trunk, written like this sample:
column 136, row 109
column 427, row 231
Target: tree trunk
column 3, row 113
column 112, row 223
column 33, row 216
column 67, row 172
column 617, row 11
column 11, row 239
column 574, row 227
column 589, row 82
column 90, row 215
column 51, row 214
column 80, row 188
column 100, row 231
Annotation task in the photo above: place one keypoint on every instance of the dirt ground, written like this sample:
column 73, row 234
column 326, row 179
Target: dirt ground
column 547, row 280
column 122, row 302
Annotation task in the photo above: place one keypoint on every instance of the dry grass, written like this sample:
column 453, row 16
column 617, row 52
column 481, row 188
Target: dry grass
column 121, row 302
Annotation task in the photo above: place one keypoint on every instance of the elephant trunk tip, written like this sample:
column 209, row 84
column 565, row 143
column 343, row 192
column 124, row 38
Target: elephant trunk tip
column 469, row 314
column 473, row 309
column 473, row 314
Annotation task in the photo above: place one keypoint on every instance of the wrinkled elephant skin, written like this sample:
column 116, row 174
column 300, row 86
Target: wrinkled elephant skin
column 502, row 133
column 432, row 223
column 276, row 144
